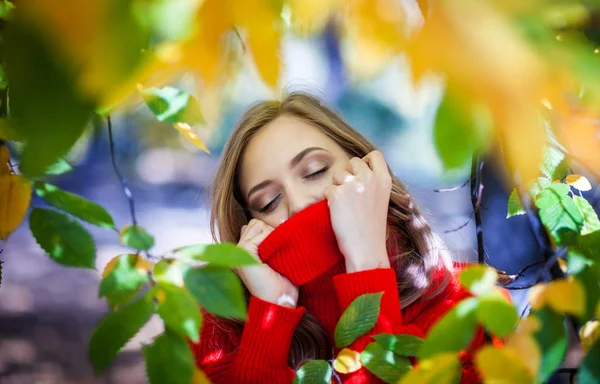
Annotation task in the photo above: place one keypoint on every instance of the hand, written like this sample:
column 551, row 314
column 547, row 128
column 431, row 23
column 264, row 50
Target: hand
column 261, row 280
column 358, row 203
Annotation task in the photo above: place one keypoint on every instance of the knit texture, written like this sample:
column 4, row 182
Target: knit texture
column 304, row 249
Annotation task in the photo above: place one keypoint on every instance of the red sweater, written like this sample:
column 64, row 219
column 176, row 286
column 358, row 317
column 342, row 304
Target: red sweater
column 304, row 249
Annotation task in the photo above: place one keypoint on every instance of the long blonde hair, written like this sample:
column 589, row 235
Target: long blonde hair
column 415, row 250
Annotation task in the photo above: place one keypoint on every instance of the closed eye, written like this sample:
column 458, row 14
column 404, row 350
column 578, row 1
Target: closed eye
column 317, row 173
column 270, row 206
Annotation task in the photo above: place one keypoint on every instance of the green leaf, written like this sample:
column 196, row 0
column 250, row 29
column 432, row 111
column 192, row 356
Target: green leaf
column 314, row 372
column 136, row 237
column 169, row 271
column 537, row 187
column 223, row 254
column 123, row 281
column 497, row 315
column 559, row 213
column 358, row 319
column 453, row 332
column 115, row 329
column 172, row 105
column 58, row 168
column 459, row 131
column 589, row 280
column 555, row 166
column 179, row 310
column 65, row 240
column 169, row 19
column 479, row 279
column 75, row 205
column 585, row 252
column 441, row 369
column 46, row 109
column 386, row 365
column 7, row 131
column 589, row 372
column 218, row 289
column 403, row 345
column 169, row 360
column 590, row 218
column 552, row 339
column 514, row 205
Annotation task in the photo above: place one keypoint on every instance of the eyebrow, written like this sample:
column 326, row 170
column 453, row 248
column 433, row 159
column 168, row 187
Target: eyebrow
column 297, row 159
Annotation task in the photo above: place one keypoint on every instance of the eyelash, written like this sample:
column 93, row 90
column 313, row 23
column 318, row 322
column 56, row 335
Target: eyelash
column 313, row 175
column 317, row 173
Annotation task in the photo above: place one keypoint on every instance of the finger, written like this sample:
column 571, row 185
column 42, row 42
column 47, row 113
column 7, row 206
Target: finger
column 330, row 192
column 376, row 163
column 256, row 240
column 359, row 168
column 254, row 228
column 340, row 178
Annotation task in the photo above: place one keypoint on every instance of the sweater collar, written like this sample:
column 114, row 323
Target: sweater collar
column 303, row 247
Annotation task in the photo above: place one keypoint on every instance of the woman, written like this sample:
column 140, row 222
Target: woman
column 312, row 198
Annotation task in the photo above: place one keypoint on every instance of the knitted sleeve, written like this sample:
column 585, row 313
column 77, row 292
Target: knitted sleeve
column 261, row 353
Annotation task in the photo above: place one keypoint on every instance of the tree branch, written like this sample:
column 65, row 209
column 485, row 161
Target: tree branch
column 476, row 193
column 122, row 180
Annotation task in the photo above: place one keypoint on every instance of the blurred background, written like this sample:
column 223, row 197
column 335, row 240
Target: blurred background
column 47, row 312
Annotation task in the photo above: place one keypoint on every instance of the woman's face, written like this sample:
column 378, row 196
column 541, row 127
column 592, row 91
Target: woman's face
column 286, row 167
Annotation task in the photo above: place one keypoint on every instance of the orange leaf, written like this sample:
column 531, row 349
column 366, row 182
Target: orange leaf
column 563, row 296
column 4, row 158
column 15, row 195
column 186, row 130
column 579, row 182
column 347, row 361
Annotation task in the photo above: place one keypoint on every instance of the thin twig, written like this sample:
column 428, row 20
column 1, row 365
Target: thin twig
column 476, row 193
column 460, row 226
column 546, row 268
column 122, row 180
column 453, row 188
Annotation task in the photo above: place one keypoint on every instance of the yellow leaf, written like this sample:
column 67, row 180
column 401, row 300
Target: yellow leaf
column 563, row 296
column 15, row 195
column 589, row 334
column 502, row 366
column 347, row 361
column 199, row 377
column 186, row 130
column 4, row 158
column 263, row 27
column 511, row 93
column 579, row 182
column 441, row 369
column 375, row 30
column 580, row 135
column 160, row 296
column 310, row 16
column 524, row 343
column 205, row 51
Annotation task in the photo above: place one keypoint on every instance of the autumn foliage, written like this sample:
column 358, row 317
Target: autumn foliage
column 522, row 84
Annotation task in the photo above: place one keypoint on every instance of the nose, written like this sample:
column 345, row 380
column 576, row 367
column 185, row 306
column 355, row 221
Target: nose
column 299, row 199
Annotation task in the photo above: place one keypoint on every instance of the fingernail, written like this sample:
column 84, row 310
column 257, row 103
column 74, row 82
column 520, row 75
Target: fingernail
column 349, row 178
column 360, row 188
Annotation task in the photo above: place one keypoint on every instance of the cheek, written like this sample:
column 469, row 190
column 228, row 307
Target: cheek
column 275, row 218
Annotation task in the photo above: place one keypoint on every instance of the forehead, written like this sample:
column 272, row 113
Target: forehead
column 271, row 149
